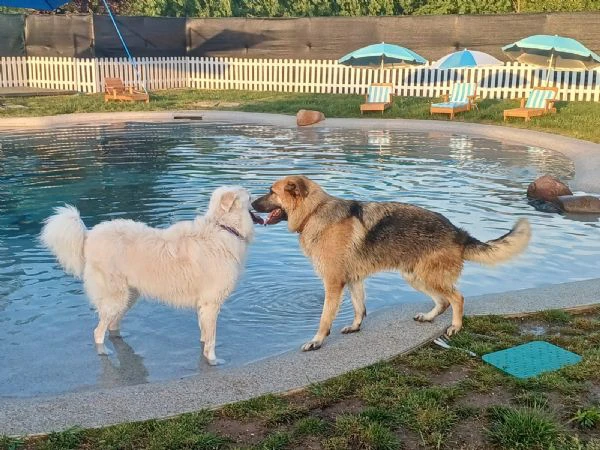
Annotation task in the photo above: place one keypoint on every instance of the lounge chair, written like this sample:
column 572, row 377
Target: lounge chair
column 114, row 89
column 540, row 102
column 462, row 99
column 378, row 98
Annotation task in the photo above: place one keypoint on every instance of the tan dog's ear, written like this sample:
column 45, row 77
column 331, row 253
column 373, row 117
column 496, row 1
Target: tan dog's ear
column 297, row 188
column 227, row 200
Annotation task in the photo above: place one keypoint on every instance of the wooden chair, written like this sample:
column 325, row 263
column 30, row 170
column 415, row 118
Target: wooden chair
column 462, row 99
column 378, row 98
column 540, row 102
column 114, row 89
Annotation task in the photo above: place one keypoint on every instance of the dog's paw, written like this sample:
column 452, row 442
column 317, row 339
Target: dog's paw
column 312, row 345
column 350, row 329
column 114, row 334
column 102, row 350
column 421, row 317
column 215, row 362
column 453, row 329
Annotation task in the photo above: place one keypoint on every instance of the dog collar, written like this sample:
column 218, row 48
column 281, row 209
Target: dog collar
column 300, row 229
column 233, row 231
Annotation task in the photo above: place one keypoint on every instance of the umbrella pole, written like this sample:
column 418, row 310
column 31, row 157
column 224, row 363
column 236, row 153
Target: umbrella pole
column 131, row 60
column 549, row 69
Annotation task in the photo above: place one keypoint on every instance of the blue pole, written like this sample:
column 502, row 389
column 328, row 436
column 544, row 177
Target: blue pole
column 133, row 63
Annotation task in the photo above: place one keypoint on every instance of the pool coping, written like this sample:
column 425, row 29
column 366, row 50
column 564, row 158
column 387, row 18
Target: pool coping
column 386, row 333
column 584, row 154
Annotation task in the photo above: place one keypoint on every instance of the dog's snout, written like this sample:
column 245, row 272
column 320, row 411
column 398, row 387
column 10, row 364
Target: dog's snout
column 262, row 204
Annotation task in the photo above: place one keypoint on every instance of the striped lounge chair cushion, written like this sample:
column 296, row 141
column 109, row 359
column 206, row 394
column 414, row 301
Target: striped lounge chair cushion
column 461, row 92
column 452, row 105
column 378, row 94
column 537, row 98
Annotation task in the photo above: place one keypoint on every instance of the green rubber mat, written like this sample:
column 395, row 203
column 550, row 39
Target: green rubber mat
column 531, row 359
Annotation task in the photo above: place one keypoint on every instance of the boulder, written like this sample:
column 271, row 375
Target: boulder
column 548, row 189
column 307, row 117
column 585, row 204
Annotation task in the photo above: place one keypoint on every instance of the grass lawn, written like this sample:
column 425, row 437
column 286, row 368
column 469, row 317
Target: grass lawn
column 577, row 119
column 431, row 398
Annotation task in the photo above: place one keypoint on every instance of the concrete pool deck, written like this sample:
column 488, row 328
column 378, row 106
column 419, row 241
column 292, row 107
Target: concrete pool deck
column 386, row 333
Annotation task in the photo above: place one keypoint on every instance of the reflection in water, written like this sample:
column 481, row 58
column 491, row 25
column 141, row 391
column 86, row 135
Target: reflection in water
column 379, row 138
column 585, row 218
column 545, row 207
column 163, row 173
column 461, row 148
column 129, row 370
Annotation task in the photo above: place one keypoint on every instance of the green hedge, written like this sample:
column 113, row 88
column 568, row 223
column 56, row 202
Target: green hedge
column 303, row 8
column 292, row 8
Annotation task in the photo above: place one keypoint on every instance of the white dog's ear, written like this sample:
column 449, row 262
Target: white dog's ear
column 227, row 200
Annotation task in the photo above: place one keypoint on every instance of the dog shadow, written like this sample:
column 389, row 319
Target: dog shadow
column 128, row 368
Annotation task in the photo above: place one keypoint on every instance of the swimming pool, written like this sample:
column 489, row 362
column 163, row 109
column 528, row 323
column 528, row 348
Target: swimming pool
column 164, row 172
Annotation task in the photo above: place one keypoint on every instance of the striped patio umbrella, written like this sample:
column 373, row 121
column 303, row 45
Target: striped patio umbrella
column 554, row 52
column 382, row 56
column 465, row 58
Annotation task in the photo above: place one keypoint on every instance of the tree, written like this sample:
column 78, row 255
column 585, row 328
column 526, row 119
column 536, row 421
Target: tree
column 258, row 8
column 364, row 7
column 97, row 6
column 173, row 8
column 309, row 8
column 465, row 7
column 559, row 5
column 408, row 7
column 306, row 8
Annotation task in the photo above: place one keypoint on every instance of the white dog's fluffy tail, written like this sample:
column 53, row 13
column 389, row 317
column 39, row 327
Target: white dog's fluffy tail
column 64, row 235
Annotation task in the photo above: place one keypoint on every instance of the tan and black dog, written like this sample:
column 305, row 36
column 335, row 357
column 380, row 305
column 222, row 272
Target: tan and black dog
column 349, row 240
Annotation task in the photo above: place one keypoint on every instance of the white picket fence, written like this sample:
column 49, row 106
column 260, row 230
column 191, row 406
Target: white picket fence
column 512, row 80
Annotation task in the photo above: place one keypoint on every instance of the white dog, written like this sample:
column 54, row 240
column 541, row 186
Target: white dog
column 190, row 264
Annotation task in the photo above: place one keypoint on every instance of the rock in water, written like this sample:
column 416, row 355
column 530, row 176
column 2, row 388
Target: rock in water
column 548, row 188
column 587, row 204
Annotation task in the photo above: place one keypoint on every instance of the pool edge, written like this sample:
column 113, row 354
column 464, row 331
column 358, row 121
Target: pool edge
column 387, row 333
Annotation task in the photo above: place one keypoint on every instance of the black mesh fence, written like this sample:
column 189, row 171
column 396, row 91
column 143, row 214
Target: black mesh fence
column 52, row 35
column 145, row 36
column 297, row 38
column 12, row 35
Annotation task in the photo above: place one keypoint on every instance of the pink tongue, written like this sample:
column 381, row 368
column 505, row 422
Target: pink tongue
column 274, row 217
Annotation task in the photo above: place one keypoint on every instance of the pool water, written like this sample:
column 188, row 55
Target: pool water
column 162, row 173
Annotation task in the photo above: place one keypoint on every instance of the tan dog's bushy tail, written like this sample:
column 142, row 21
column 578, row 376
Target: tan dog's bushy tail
column 502, row 249
column 64, row 235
